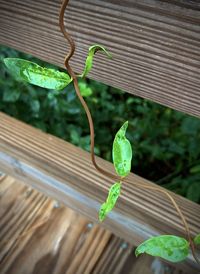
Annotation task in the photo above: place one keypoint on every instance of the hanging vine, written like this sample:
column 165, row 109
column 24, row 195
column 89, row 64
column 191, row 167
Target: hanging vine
column 169, row 247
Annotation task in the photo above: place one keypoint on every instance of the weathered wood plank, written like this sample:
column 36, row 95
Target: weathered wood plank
column 155, row 43
column 65, row 242
column 56, row 240
column 65, row 172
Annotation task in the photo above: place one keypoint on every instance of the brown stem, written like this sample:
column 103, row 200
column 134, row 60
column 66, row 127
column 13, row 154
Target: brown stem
column 75, row 82
column 66, row 35
column 185, row 224
column 91, row 125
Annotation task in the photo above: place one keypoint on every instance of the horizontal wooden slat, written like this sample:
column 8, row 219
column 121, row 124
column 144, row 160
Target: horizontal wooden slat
column 65, row 172
column 49, row 238
column 155, row 43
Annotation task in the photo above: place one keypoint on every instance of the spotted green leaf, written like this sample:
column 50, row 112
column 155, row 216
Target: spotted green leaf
column 32, row 73
column 113, row 195
column 197, row 240
column 122, row 152
column 169, row 247
column 88, row 63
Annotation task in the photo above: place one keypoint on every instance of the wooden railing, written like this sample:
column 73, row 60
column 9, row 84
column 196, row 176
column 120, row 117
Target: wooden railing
column 64, row 172
column 155, row 44
column 155, row 48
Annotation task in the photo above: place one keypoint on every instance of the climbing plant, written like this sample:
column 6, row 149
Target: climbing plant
column 170, row 247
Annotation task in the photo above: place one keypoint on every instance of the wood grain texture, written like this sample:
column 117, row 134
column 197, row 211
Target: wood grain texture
column 155, row 43
column 53, row 239
column 64, row 172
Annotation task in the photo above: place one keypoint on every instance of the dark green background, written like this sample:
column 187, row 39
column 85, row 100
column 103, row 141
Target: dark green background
column 165, row 142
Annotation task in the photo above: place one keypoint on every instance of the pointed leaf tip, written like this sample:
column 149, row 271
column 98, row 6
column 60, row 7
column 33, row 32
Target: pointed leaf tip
column 168, row 247
column 122, row 152
column 89, row 60
column 111, row 200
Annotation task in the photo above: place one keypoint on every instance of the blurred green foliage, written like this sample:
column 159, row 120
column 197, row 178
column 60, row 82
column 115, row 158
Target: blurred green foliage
column 165, row 142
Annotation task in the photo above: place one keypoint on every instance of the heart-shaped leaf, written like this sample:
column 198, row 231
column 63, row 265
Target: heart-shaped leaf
column 32, row 73
column 197, row 240
column 111, row 200
column 88, row 63
column 169, row 247
column 122, row 152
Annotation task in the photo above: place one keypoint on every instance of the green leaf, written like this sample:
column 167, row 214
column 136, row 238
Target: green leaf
column 35, row 105
column 197, row 240
column 88, row 63
column 85, row 89
column 169, row 247
column 113, row 195
column 11, row 95
column 122, row 152
column 32, row 73
column 193, row 192
column 195, row 169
